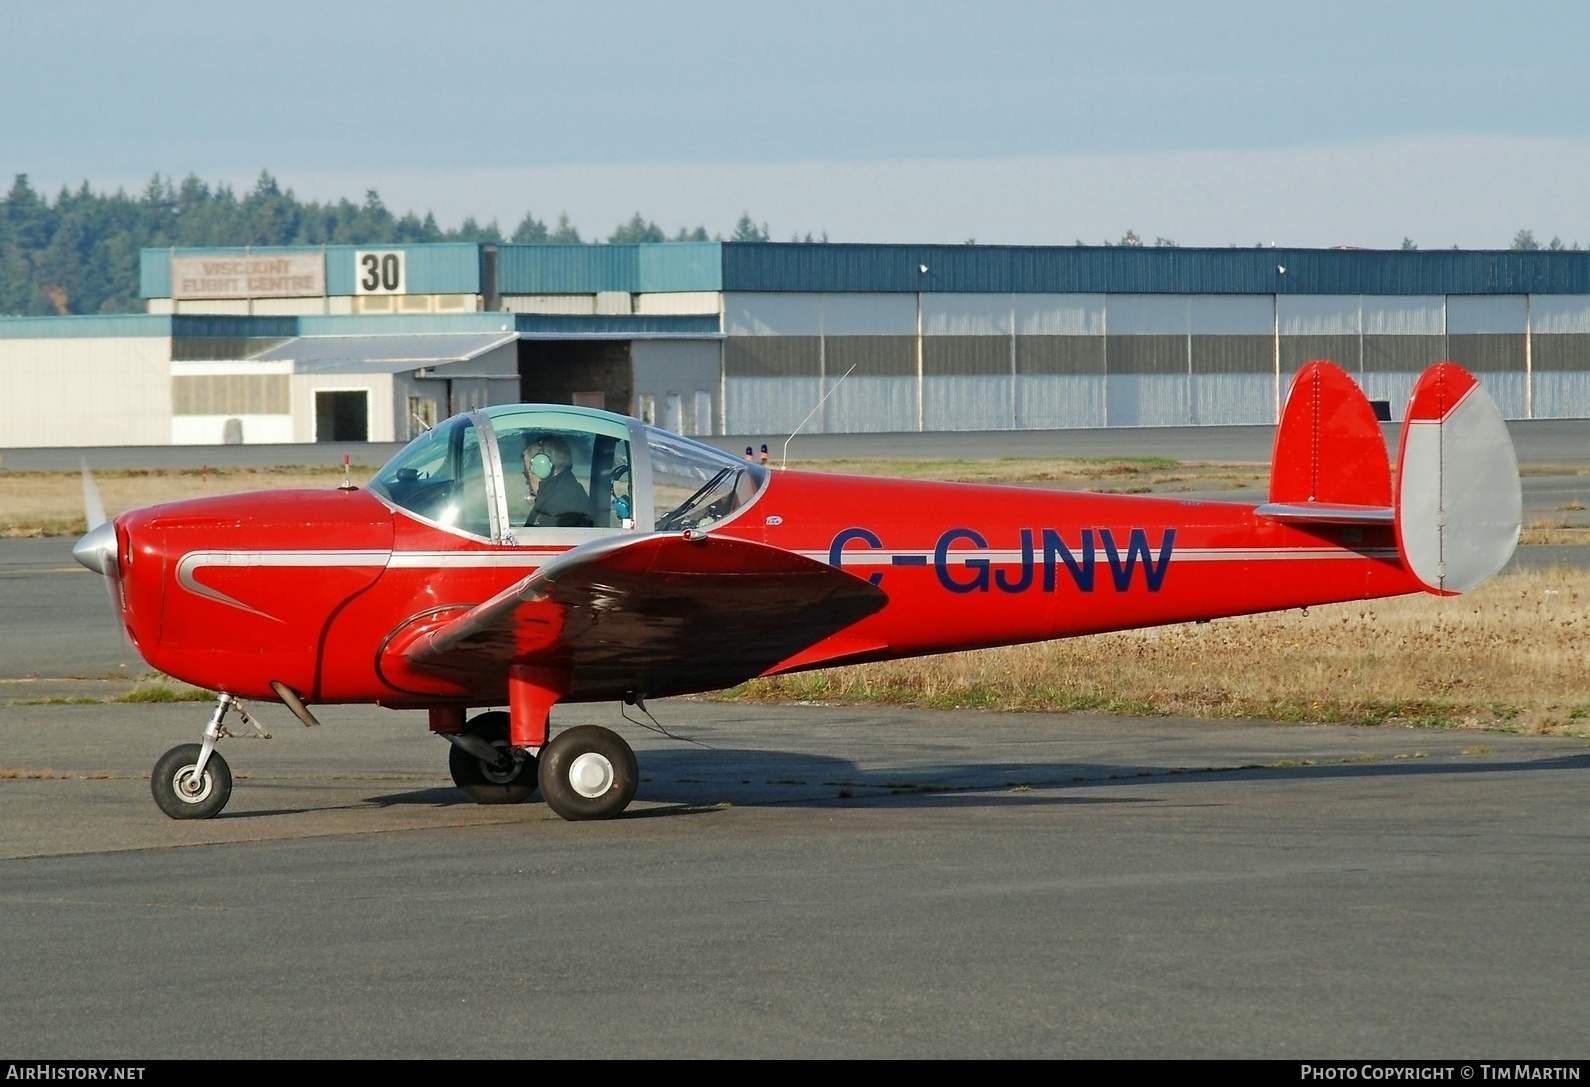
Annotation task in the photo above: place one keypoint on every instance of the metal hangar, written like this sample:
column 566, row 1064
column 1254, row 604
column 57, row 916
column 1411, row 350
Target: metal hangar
column 346, row 343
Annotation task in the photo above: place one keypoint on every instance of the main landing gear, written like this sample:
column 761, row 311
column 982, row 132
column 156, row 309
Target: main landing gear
column 587, row 772
column 193, row 781
column 486, row 766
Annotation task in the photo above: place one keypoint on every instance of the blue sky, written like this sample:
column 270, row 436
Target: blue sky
column 1341, row 123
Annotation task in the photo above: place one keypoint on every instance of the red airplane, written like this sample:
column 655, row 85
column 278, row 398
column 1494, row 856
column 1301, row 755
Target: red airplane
column 527, row 555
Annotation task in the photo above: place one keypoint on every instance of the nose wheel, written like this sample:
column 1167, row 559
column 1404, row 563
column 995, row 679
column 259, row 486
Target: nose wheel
column 588, row 772
column 185, row 789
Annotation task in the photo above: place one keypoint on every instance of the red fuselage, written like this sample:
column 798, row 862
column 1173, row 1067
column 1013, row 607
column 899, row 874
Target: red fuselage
column 320, row 590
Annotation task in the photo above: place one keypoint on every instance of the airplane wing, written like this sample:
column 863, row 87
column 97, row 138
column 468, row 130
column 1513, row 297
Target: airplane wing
column 664, row 613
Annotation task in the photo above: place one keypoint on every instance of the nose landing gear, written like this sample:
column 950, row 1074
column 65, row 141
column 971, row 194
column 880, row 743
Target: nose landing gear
column 192, row 781
column 186, row 787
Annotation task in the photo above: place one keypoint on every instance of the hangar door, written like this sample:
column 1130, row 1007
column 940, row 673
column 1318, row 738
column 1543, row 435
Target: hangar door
column 591, row 373
column 342, row 415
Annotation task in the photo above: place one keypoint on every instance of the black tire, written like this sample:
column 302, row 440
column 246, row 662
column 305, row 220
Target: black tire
column 172, row 773
column 487, row 784
column 588, row 772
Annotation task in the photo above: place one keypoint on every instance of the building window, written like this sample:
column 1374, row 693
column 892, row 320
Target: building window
column 422, row 415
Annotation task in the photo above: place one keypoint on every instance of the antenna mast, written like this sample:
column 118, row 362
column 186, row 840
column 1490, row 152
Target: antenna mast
column 784, row 463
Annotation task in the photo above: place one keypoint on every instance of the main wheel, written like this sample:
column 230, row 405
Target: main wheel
column 588, row 772
column 180, row 794
column 511, row 781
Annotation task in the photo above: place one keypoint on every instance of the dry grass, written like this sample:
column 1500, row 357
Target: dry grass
column 1554, row 530
column 1511, row 655
column 51, row 503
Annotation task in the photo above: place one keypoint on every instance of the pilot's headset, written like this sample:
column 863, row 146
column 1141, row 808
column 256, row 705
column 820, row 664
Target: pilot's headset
column 541, row 465
column 623, row 506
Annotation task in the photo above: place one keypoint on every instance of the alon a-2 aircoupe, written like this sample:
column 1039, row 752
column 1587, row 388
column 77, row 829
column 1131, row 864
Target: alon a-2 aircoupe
column 527, row 555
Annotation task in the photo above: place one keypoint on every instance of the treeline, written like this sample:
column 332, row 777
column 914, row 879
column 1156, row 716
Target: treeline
column 78, row 253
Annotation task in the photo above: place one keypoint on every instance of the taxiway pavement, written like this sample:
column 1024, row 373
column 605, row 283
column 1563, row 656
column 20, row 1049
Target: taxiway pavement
column 801, row 881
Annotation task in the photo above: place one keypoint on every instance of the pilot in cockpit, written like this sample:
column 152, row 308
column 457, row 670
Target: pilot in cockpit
column 558, row 500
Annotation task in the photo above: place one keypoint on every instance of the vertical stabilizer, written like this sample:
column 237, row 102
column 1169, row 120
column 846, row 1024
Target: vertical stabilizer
column 1459, row 505
column 1330, row 460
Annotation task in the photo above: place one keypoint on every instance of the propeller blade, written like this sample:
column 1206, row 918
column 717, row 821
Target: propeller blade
column 97, row 549
column 93, row 507
column 113, row 587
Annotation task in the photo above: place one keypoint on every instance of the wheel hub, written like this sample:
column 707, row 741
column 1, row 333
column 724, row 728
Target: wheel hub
column 192, row 788
column 504, row 770
column 591, row 775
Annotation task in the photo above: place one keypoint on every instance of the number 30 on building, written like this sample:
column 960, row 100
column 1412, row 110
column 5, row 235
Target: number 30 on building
column 379, row 271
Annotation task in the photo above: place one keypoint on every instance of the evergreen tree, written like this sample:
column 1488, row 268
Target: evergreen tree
column 565, row 234
column 746, row 230
column 530, row 231
column 635, row 231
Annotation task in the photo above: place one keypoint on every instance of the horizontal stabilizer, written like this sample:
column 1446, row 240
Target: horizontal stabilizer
column 1330, row 463
column 1324, row 513
column 1459, row 503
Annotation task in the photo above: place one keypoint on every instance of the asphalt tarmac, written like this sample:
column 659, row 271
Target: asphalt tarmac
column 808, row 882
column 791, row 881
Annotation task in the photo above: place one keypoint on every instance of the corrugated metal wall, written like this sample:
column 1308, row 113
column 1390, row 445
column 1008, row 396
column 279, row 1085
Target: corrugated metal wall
column 830, row 268
column 895, row 269
column 587, row 269
column 993, row 362
column 998, row 362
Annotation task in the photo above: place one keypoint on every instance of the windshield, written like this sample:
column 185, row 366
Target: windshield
column 440, row 476
column 696, row 486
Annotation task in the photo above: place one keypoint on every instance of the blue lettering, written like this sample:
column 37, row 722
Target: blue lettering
column 837, row 548
column 979, row 582
column 1137, row 548
column 1026, row 567
column 1081, row 574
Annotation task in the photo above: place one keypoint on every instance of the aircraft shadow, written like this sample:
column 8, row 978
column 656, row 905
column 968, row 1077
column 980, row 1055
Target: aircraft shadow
column 690, row 782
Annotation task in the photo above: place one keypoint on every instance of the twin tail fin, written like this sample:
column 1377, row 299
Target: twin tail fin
column 1456, row 505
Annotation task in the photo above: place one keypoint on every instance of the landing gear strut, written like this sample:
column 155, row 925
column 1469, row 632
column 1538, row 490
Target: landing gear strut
column 192, row 781
column 486, row 766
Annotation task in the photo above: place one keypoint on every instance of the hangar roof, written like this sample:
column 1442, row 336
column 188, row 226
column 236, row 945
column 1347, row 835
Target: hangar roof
column 402, row 352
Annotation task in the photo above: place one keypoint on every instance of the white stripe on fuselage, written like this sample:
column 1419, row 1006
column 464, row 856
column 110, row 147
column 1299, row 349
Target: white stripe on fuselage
column 864, row 556
column 194, row 561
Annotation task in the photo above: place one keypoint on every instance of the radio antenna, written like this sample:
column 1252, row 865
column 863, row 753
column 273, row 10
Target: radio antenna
column 784, row 462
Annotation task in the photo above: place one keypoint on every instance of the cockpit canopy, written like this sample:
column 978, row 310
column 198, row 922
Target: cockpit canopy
column 516, row 472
